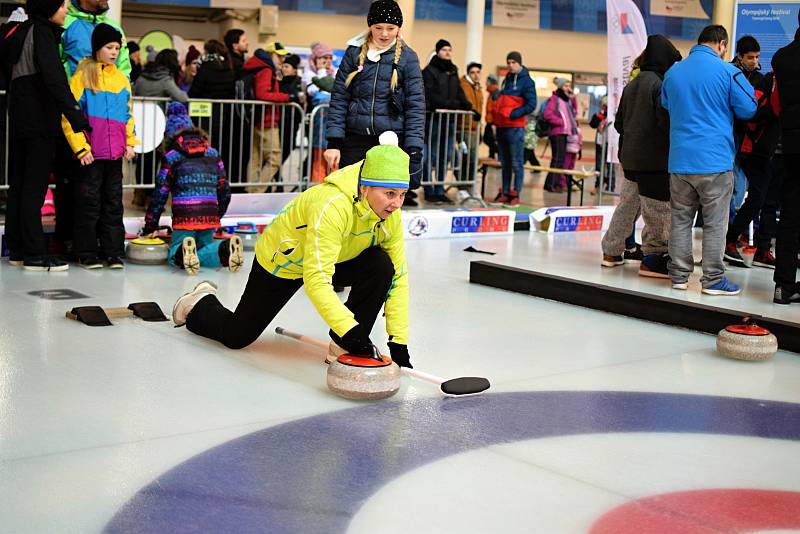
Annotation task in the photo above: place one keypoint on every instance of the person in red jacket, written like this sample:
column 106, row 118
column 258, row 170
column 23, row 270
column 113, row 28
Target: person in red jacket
column 260, row 73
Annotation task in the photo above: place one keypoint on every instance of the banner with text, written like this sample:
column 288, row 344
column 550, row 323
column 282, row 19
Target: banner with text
column 773, row 24
column 516, row 14
column 627, row 37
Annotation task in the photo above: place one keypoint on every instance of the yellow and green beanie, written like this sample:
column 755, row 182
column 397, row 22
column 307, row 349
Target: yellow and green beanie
column 386, row 165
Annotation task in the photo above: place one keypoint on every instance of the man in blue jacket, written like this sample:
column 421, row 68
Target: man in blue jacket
column 703, row 94
column 516, row 100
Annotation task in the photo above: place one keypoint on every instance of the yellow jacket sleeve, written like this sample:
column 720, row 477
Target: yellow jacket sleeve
column 328, row 224
column 77, row 141
column 131, row 126
column 396, row 306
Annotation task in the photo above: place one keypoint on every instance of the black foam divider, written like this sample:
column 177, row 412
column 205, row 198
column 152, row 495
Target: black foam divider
column 664, row 310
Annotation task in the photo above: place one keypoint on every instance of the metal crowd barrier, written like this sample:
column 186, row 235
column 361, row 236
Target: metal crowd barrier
column 259, row 142
column 316, row 166
column 452, row 141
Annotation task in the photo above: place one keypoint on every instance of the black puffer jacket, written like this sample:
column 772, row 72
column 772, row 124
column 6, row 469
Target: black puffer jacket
column 369, row 107
column 442, row 86
column 38, row 91
column 786, row 66
column 215, row 79
column 640, row 119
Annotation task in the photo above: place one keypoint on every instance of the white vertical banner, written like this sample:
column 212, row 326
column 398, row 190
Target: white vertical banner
column 627, row 37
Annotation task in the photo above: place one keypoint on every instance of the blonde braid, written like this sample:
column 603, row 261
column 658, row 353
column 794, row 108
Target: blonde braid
column 398, row 50
column 362, row 56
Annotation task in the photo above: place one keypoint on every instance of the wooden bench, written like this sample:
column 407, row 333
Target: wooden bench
column 575, row 177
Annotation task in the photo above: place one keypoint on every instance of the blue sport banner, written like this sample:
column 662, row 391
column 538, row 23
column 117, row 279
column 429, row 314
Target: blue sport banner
column 773, row 24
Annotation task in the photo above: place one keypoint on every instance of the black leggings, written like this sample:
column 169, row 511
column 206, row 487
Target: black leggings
column 370, row 275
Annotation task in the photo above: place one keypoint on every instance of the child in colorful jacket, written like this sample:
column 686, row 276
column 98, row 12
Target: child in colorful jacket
column 104, row 95
column 195, row 175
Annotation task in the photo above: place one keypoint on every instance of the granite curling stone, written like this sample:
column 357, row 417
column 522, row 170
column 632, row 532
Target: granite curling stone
column 147, row 251
column 747, row 341
column 363, row 378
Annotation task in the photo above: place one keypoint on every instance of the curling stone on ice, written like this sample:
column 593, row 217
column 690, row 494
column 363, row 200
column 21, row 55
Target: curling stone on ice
column 147, row 251
column 363, row 378
column 249, row 234
column 747, row 341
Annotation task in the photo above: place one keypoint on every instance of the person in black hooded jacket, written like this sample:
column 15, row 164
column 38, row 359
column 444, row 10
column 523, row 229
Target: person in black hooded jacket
column 643, row 125
column 38, row 97
column 442, row 92
column 786, row 66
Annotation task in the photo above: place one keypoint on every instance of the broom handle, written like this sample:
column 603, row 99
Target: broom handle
column 319, row 343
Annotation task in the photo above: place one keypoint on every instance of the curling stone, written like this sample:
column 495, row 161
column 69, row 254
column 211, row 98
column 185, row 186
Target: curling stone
column 147, row 251
column 747, row 341
column 249, row 234
column 363, row 378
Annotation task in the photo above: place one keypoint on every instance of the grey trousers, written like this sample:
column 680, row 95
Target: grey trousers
column 688, row 192
column 657, row 216
column 621, row 224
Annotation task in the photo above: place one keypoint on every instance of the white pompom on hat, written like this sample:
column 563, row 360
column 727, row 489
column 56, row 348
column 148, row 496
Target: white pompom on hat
column 389, row 138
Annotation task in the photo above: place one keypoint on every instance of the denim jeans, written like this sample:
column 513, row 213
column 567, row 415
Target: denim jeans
column 439, row 152
column 511, row 144
column 739, row 189
column 689, row 192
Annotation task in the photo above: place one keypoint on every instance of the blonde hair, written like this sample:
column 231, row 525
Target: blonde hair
column 87, row 69
column 362, row 56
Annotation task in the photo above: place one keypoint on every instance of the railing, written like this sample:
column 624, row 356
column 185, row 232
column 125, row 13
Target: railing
column 452, row 141
column 4, row 144
column 259, row 142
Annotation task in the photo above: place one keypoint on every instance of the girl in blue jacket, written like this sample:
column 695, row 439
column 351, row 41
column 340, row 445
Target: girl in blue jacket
column 378, row 88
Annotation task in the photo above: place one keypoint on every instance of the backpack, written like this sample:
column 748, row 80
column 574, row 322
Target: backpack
column 245, row 87
column 542, row 127
column 11, row 48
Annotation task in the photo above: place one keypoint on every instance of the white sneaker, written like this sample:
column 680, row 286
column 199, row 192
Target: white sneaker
column 191, row 262
column 236, row 253
column 676, row 284
column 334, row 351
column 184, row 305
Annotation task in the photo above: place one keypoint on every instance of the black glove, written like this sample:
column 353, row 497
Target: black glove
column 355, row 341
column 414, row 169
column 400, row 355
column 476, row 115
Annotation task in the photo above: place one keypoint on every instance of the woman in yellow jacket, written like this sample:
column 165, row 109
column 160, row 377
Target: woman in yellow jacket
column 346, row 232
column 104, row 95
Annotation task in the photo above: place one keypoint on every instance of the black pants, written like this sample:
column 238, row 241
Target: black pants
column 355, row 147
column 369, row 275
column 31, row 161
column 558, row 147
column 787, row 243
column 759, row 174
column 65, row 170
column 98, row 210
column 768, row 220
column 490, row 140
column 530, row 157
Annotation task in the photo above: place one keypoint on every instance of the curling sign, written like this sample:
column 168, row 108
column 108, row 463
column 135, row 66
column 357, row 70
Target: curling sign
column 455, row 223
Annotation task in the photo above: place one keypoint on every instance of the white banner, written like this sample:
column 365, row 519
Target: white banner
column 516, row 14
column 627, row 37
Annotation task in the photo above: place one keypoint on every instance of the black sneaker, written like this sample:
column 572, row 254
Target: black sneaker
column 411, row 194
column 115, row 262
column 45, row 265
column 633, row 255
column 90, row 262
column 409, row 202
column 733, row 257
column 15, row 260
column 785, row 295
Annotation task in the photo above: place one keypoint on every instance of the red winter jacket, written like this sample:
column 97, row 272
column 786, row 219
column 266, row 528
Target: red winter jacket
column 266, row 88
